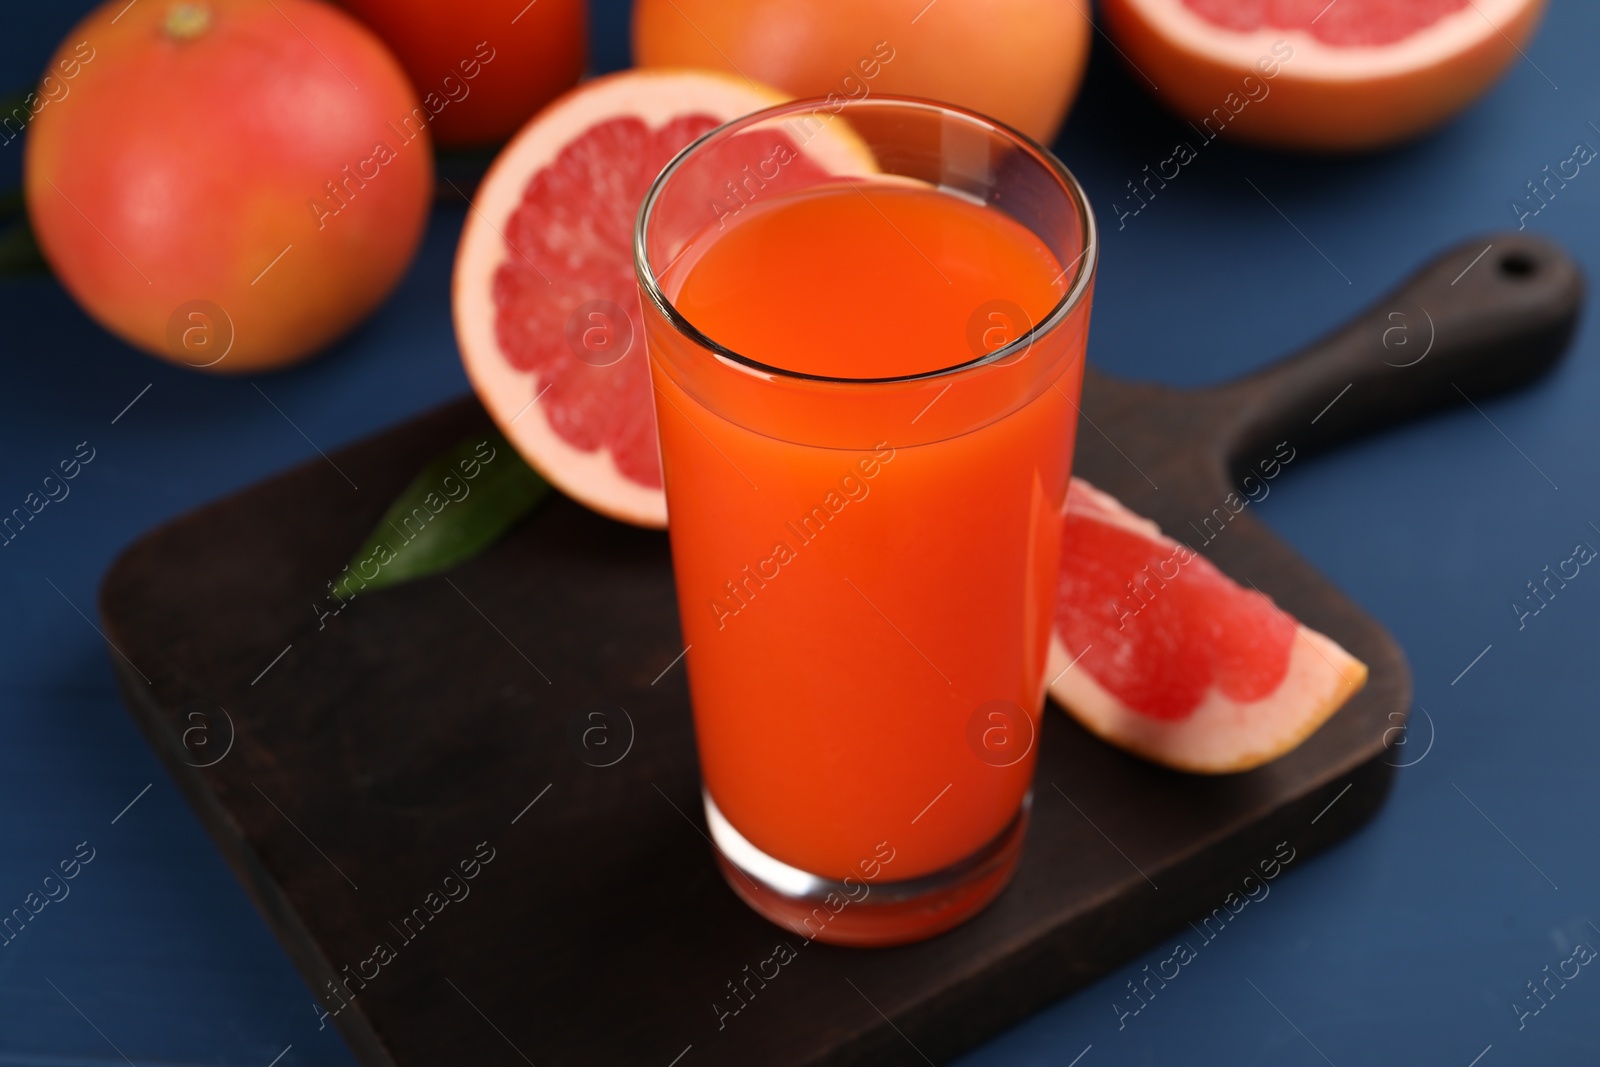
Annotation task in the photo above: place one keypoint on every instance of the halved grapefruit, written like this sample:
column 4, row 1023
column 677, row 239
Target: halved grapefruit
column 1326, row 75
column 546, row 305
column 1158, row 652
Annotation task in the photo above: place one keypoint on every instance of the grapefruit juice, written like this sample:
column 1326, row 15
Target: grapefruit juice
column 865, row 542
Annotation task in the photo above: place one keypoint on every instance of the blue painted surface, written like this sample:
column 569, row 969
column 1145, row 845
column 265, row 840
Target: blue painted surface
column 1408, row 944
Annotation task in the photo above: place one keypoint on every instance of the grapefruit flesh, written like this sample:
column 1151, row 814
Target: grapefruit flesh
column 1160, row 653
column 546, row 303
column 1340, row 76
column 1344, row 23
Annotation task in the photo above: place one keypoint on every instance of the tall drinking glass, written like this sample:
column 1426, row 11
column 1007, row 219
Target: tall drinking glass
column 866, row 323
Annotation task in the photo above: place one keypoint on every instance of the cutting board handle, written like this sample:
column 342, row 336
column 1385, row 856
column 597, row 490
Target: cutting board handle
column 1490, row 315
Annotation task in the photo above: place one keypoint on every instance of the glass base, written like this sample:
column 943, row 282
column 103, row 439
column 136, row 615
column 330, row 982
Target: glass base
column 865, row 912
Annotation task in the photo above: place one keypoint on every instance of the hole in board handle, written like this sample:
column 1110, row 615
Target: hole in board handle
column 1517, row 265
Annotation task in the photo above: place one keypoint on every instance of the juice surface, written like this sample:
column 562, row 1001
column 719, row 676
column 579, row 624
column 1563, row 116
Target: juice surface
column 863, row 281
column 852, row 613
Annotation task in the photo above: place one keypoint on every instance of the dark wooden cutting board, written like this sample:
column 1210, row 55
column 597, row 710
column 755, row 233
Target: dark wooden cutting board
column 348, row 767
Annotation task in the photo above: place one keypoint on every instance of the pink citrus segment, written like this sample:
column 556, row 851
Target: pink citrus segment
column 1175, row 661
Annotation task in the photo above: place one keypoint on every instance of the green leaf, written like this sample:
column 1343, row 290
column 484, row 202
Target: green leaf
column 19, row 252
column 457, row 506
column 10, row 103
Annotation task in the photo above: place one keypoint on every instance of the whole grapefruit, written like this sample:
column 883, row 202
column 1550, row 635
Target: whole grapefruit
column 230, row 184
column 1019, row 61
column 1313, row 75
column 482, row 68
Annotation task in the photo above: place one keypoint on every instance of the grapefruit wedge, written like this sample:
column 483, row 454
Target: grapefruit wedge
column 546, row 307
column 1320, row 75
column 1158, row 652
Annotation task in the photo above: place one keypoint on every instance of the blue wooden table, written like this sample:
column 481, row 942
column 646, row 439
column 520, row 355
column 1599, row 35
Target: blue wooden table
column 1412, row 943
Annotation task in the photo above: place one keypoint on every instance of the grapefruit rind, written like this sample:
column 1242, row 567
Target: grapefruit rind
column 654, row 97
column 1221, row 735
column 1325, row 97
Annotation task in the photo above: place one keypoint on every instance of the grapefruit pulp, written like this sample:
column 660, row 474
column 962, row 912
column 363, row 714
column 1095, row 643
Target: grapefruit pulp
column 546, row 303
column 1158, row 652
column 1310, row 74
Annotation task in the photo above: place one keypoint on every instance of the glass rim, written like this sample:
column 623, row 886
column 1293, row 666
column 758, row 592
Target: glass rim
column 1076, row 292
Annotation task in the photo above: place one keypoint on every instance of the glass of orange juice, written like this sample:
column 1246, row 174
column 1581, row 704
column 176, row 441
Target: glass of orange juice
column 866, row 323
